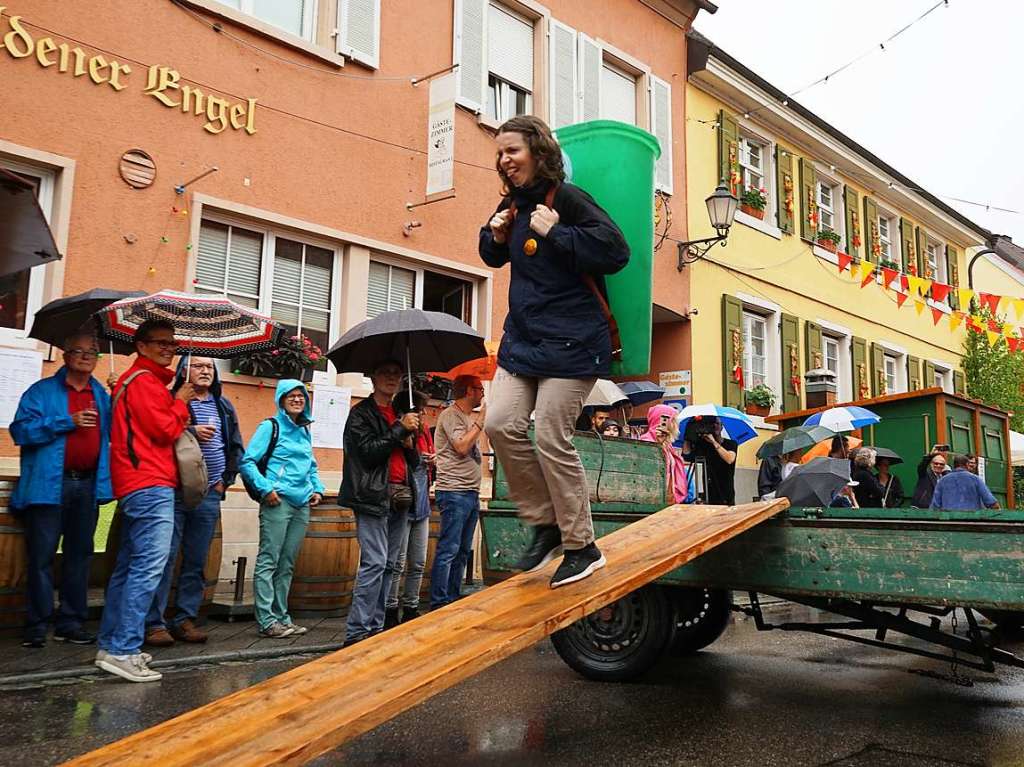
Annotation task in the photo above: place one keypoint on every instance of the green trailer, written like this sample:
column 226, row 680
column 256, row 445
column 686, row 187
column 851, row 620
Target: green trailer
column 881, row 571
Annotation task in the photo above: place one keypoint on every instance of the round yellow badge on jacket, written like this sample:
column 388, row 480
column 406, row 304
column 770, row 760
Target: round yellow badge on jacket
column 530, row 247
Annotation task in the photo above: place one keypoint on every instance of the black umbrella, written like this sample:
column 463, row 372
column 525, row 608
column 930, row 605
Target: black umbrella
column 25, row 237
column 424, row 340
column 62, row 317
column 796, row 438
column 642, row 392
column 891, row 455
column 816, row 482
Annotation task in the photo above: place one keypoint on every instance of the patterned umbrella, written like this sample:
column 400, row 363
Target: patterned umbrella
column 736, row 425
column 209, row 326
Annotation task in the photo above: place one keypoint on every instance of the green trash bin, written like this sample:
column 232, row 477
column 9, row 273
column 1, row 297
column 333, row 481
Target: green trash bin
column 614, row 162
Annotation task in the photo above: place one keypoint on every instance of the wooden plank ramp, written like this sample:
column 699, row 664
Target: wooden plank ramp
column 307, row 711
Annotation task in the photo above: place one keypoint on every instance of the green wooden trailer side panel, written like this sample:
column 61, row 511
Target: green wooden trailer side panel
column 886, row 555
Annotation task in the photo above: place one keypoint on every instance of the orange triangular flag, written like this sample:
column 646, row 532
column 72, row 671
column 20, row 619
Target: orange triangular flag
column 867, row 273
column 1013, row 343
column 888, row 275
column 919, row 306
column 965, row 296
column 993, row 338
column 936, row 315
column 844, row 261
column 990, row 300
column 901, row 298
column 939, row 291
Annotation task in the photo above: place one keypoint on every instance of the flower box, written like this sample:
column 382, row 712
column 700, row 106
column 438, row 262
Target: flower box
column 752, row 211
column 828, row 244
column 752, row 409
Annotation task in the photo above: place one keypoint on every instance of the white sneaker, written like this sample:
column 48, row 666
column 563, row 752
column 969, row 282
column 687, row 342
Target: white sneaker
column 296, row 630
column 130, row 667
column 102, row 654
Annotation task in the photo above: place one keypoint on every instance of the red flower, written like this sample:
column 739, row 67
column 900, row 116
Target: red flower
column 314, row 357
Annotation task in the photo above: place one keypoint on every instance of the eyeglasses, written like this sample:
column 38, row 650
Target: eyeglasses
column 162, row 343
column 82, row 353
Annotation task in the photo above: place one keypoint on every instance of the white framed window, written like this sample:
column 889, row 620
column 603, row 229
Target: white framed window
column 753, row 160
column 943, row 378
column 894, row 367
column 934, row 260
column 828, row 206
column 837, row 356
column 891, row 367
column 885, row 238
column 397, row 285
column 292, row 278
column 618, row 94
column 295, row 16
column 21, row 294
column 509, row 63
column 755, row 350
column 830, row 354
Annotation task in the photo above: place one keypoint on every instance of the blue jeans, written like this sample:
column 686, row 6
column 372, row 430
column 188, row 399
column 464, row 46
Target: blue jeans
column 459, row 512
column 75, row 519
column 147, row 517
column 193, row 533
column 380, row 544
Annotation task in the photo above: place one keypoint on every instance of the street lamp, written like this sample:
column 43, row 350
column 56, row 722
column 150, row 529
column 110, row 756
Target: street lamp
column 721, row 210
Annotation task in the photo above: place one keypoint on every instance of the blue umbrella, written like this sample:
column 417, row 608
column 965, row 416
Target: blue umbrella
column 642, row 392
column 840, row 419
column 736, row 425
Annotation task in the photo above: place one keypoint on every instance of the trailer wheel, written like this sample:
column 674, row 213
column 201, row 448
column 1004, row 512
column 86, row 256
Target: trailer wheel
column 1009, row 622
column 621, row 641
column 701, row 616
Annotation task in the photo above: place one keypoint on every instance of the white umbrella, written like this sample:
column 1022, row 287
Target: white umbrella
column 605, row 394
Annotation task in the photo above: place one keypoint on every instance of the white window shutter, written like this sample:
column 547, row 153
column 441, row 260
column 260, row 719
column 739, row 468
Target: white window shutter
column 359, row 31
column 562, row 64
column 246, row 257
column 470, row 52
column 661, row 127
column 212, row 256
column 377, row 289
column 590, row 62
column 510, row 47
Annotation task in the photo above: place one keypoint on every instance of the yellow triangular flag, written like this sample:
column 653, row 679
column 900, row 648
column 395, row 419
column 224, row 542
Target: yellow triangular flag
column 926, row 285
column 1004, row 303
column 993, row 337
column 954, row 320
column 866, row 270
column 1018, row 307
column 914, row 283
column 1007, row 331
column 965, row 295
column 979, row 321
column 918, row 305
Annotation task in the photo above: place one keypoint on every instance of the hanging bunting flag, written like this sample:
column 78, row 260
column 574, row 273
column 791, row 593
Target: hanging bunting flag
column 965, row 295
column 940, row 291
column 1004, row 303
column 901, row 298
column 1014, row 344
column 955, row 319
column 1007, row 331
column 867, row 273
column 914, row 284
column 994, row 326
column 975, row 323
column 926, row 285
column 904, row 283
column 919, row 306
column 888, row 275
column 1018, row 307
column 990, row 301
column 844, row 261
column 936, row 315
column 993, row 338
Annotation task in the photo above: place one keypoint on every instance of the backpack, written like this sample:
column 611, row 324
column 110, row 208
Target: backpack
column 193, row 479
column 261, row 464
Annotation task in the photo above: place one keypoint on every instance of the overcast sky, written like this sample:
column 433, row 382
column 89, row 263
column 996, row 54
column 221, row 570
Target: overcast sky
column 944, row 104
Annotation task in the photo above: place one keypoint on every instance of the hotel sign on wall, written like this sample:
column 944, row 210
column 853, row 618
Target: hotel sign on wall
column 163, row 83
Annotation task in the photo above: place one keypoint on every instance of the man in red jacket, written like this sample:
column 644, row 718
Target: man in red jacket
column 146, row 422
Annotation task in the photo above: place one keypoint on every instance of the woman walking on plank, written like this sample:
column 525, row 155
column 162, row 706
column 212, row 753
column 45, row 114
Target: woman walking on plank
column 557, row 340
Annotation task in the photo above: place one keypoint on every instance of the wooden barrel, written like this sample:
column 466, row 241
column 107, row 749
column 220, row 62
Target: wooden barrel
column 211, row 570
column 13, row 565
column 325, row 570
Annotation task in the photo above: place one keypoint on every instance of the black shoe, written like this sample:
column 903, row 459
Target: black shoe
column 410, row 614
column 354, row 640
column 391, row 618
column 542, row 549
column 75, row 636
column 577, row 564
column 36, row 643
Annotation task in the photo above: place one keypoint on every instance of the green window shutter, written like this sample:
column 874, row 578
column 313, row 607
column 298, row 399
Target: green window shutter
column 922, row 240
column 785, row 191
column 907, row 246
column 929, row 375
column 732, row 351
column 959, row 383
column 808, row 204
column 869, row 229
column 791, row 380
column 854, row 231
column 877, row 371
column 815, row 351
column 913, row 373
column 953, row 272
column 861, row 379
column 729, row 151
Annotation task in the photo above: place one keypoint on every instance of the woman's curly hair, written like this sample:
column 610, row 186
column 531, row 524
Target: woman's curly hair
column 542, row 145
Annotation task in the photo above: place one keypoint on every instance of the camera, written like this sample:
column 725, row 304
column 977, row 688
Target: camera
column 698, row 427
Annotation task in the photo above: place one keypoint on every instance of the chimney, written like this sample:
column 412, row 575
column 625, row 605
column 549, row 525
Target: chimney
column 820, row 388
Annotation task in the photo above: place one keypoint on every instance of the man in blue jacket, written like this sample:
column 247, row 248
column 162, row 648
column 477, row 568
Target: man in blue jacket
column 216, row 426
column 63, row 428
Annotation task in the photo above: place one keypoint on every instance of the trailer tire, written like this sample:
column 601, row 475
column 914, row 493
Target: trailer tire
column 619, row 642
column 701, row 616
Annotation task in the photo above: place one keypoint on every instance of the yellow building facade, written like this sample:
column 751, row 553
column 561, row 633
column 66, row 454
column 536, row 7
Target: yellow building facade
column 772, row 302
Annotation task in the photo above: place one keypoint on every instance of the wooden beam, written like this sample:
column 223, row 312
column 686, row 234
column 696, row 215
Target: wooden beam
column 312, row 709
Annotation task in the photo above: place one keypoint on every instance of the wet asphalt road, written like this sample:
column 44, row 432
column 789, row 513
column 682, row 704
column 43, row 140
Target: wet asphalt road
column 752, row 699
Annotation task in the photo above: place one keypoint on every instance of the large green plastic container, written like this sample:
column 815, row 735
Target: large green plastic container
column 614, row 162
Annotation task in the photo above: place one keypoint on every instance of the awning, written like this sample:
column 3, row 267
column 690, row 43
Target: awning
column 661, row 314
column 1016, row 448
column 25, row 237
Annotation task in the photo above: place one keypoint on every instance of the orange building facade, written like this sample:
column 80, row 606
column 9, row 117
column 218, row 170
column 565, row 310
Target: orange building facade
column 315, row 115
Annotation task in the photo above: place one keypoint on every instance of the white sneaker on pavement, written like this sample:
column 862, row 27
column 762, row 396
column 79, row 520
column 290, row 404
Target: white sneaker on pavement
column 130, row 667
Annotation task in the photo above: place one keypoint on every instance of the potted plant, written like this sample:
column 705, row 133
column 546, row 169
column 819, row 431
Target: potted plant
column 829, row 240
column 887, row 263
column 296, row 357
column 753, row 201
column 758, row 400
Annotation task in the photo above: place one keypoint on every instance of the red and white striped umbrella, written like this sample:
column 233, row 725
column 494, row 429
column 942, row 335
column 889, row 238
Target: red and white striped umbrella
column 208, row 326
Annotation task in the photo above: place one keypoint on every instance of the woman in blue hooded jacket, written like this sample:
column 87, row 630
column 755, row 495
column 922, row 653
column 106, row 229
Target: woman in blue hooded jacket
column 279, row 464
